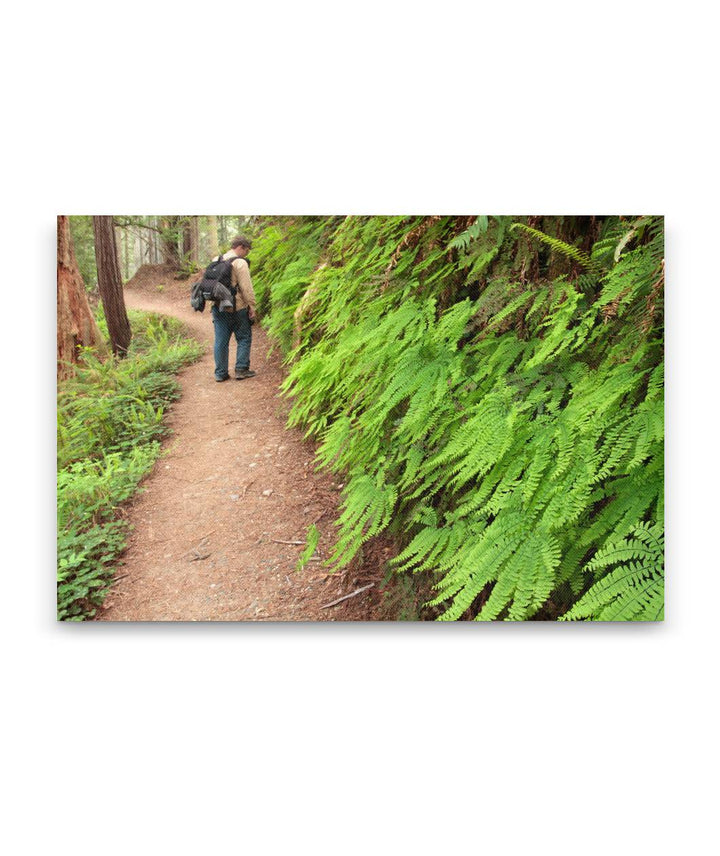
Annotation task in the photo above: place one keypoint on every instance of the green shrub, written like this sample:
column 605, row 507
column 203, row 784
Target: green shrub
column 85, row 569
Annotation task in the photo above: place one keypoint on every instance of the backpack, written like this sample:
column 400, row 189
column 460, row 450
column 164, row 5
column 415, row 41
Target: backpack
column 219, row 270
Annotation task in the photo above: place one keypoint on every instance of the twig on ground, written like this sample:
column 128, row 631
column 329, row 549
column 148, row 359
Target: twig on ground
column 347, row 596
column 294, row 543
column 245, row 489
column 197, row 547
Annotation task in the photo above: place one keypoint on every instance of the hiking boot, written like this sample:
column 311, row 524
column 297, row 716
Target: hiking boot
column 243, row 373
column 221, row 379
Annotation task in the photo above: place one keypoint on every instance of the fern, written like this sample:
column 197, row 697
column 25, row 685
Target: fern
column 634, row 589
column 470, row 234
column 555, row 244
column 505, row 431
column 368, row 506
column 313, row 536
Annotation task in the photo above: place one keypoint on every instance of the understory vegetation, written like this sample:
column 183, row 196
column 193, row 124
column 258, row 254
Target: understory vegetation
column 110, row 422
column 492, row 390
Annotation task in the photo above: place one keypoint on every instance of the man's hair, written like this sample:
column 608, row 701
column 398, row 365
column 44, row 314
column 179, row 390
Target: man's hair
column 241, row 241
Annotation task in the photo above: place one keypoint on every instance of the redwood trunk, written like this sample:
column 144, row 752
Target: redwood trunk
column 76, row 326
column 169, row 236
column 110, row 285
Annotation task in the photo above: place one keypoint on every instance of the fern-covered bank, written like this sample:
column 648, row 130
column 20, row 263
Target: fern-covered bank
column 492, row 390
column 110, row 422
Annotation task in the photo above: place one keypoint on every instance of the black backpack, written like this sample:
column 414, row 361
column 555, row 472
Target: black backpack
column 219, row 270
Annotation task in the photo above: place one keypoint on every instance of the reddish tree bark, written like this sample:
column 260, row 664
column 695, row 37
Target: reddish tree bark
column 170, row 233
column 76, row 325
column 110, row 285
column 190, row 242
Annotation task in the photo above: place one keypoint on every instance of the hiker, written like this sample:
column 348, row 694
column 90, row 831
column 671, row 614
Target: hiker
column 238, row 321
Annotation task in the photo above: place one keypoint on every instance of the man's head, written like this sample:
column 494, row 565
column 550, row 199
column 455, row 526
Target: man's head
column 241, row 245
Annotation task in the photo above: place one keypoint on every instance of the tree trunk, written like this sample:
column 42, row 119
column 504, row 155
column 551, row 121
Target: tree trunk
column 153, row 236
column 170, row 235
column 213, row 237
column 186, row 239
column 75, row 322
column 195, row 242
column 110, row 285
column 126, row 253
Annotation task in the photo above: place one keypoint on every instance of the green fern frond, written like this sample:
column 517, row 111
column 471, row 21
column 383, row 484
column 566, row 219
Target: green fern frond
column 555, row 244
column 632, row 591
column 470, row 234
column 311, row 542
column 369, row 504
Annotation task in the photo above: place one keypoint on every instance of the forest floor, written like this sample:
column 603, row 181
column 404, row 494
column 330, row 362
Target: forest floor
column 211, row 524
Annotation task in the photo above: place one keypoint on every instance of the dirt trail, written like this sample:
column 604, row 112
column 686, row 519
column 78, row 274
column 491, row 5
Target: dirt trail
column 233, row 482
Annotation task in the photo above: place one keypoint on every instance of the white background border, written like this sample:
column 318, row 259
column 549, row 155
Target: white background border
column 369, row 738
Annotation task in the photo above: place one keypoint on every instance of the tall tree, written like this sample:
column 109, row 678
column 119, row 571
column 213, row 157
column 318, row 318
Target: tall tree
column 110, row 285
column 213, row 247
column 170, row 234
column 185, row 238
column 195, row 241
column 75, row 322
column 155, row 256
column 126, row 252
column 190, row 242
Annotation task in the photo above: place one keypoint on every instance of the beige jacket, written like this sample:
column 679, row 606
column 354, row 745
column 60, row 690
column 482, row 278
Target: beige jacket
column 241, row 280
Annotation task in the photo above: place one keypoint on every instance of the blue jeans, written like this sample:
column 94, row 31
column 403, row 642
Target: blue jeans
column 227, row 323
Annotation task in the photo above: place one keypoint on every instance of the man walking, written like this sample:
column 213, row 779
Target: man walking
column 238, row 321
